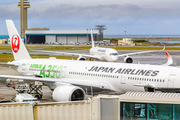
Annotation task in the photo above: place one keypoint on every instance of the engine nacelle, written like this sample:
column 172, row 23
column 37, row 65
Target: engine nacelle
column 68, row 93
column 81, row 58
column 128, row 59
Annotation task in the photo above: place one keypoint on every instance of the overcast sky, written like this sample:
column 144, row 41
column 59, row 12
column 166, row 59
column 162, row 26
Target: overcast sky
column 133, row 16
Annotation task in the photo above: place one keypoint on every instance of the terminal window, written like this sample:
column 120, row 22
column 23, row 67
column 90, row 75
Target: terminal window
column 149, row 111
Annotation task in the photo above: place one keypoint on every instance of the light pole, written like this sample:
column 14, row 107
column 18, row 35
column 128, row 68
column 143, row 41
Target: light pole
column 125, row 37
column 87, row 37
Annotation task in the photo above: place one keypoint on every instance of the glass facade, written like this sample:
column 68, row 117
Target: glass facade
column 149, row 111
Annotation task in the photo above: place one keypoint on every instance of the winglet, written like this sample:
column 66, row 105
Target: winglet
column 164, row 48
column 170, row 60
column 92, row 40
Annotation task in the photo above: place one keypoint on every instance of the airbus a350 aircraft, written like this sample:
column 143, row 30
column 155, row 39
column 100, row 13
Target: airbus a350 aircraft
column 70, row 80
column 102, row 54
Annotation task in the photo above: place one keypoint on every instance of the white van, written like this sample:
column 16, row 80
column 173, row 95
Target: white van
column 24, row 97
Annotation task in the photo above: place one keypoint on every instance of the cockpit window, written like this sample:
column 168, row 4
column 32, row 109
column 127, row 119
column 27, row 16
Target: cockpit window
column 113, row 54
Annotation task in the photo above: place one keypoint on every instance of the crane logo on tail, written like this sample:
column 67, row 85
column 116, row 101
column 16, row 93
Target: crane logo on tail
column 15, row 43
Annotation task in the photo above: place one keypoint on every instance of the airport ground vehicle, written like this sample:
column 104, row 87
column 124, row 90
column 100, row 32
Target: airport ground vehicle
column 24, row 97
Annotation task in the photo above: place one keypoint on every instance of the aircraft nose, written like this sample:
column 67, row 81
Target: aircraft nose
column 115, row 59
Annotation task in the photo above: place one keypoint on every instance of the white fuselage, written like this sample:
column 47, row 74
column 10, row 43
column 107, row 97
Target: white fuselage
column 106, row 54
column 122, row 77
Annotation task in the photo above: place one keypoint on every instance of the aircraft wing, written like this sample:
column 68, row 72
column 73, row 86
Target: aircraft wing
column 92, row 56
column 136, row 53
column 162, row 89
column 69, row 54
column 3, row 64
column 144, row 85
column 77, row 82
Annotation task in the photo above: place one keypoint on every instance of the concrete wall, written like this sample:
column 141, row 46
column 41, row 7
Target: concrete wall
column 67, row 39
column 63, row 111
column 16, row 111
column 61, row 39
column 82, row 39
column 97, row 108
column 50, row 39
column 72, row 39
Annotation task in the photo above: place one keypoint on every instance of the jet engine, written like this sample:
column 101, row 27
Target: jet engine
column 128, row 59
column 68, row 93
column 81, row 58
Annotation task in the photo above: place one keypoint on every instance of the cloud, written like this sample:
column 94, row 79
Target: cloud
column 69, row 11
column 133, row 16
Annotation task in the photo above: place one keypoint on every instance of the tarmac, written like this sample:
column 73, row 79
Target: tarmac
column 155, row 58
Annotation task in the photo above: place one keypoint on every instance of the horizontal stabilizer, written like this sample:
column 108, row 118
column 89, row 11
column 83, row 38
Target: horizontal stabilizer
column 2, row 64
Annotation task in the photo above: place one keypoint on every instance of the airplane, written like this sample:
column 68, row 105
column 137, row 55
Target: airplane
column 72, row 80
column 102, row 54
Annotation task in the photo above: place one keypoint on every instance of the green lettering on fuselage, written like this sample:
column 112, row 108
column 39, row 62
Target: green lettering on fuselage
column 58, row 73
column 50, row 71
column 36, row 66
column 42, row 72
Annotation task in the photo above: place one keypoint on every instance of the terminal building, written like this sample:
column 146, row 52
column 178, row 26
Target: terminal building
column 61, row 36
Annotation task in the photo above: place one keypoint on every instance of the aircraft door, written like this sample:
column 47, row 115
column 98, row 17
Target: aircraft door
column 63, row 72
column 171, row 80
column 24, row 68
column 123, row 79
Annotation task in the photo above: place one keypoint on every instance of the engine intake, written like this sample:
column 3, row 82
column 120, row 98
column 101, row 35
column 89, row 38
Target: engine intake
column 81, row 58
column 128, row 59
column 68, row 93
